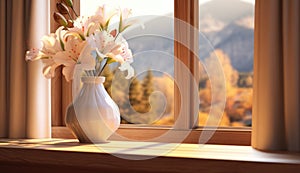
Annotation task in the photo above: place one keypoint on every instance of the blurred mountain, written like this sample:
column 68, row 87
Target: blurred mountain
column 224, row 24
column 153, row 45
column 219, row 13
column 228, row 25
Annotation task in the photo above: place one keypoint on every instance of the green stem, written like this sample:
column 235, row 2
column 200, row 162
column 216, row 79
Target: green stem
column 116, row 36
column 70, row 16
column 74, row 11
column 102, row 69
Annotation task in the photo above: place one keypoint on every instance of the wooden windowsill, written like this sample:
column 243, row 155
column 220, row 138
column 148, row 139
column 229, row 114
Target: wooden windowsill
column 61, row 155
column 223, row 136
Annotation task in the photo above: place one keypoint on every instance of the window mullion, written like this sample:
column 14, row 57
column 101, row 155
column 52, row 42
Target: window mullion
column 61, row 90
column 185, row 67
column 56, row 81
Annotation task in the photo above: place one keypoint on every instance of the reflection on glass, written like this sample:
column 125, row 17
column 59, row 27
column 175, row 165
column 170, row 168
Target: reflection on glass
column 148, row 97
column 227, row 33
column 228, row 26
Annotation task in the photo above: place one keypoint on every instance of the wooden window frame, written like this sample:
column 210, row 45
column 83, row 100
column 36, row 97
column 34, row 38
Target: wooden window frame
column 188, row 12
column 61, row 90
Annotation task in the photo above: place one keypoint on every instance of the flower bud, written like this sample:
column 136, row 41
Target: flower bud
column 60, row 19
column 69, row 3
column 113, row 32
column 70, row 24
column 62, row 8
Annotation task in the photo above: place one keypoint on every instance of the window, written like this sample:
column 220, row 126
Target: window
column 226, row 41
column 184, row 112
column 148, row 97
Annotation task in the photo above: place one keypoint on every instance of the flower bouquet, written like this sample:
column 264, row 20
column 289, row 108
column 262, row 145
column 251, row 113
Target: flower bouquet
column 88, row 45
column 87, row 42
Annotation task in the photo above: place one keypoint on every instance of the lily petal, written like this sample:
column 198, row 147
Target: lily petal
column 130, row 71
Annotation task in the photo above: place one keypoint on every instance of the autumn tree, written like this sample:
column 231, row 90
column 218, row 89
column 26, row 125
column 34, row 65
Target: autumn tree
column 135, row 95
column 162, row 102
column 120, row 93
column 245, row 80
column 223, row 78
column 147, row 91
column 238, row 100
column 203, row 76
column 219, row 57
column 165, row 84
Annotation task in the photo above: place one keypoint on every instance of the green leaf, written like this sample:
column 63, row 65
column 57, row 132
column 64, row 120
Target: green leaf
column 60, row 19
column 82, row 37
column 62, row 45
column 120, row 23
column 123, row 29
column 62, row 8
column 69, row 3
column 106, row 24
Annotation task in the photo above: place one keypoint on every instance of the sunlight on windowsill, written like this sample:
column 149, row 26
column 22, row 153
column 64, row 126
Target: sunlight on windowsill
column 155, row 149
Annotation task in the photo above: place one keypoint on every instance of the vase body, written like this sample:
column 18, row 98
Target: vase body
column 93, row 116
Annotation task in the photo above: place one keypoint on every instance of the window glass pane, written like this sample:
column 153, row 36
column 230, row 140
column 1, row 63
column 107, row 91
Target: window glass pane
column 227, row 34
column 152, row 47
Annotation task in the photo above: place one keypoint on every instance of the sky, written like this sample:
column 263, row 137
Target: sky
column 145, row 7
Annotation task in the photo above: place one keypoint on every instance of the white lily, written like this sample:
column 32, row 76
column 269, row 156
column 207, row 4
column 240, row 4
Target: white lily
column 105, row 13
column 105, row 45
column 85, row 26
column 115, row 49
column 86, row 60
column 49, row 68
column 126, row 53
column 126, row 66
column 85, row 46
column 69, row 57
column 50, row 46
column 124, row 19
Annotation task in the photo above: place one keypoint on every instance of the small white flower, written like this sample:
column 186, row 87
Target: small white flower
column 32, row 54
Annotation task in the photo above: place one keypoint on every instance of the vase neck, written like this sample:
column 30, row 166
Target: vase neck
column 93, row 79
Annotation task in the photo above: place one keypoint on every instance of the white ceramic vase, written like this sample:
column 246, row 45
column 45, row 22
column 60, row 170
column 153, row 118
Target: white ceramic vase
column 93, row 116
